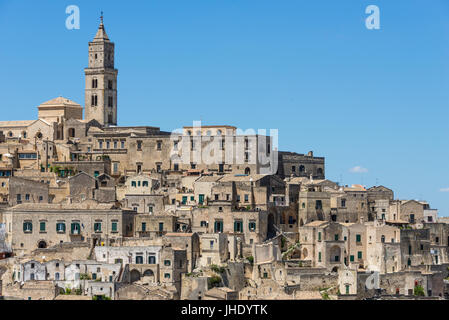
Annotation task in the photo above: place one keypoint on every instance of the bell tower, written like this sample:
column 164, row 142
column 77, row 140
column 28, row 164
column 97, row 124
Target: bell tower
column 100, row 99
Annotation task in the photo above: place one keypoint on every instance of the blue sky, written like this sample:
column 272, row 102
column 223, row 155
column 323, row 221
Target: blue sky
column 375, row 99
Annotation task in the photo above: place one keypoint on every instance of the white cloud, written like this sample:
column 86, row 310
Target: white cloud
column 358, row 169
column 444, row 190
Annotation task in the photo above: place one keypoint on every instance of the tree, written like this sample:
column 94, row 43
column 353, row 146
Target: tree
column 419, row 291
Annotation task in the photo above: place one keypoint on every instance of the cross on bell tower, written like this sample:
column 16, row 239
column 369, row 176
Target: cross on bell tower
column 100, row 99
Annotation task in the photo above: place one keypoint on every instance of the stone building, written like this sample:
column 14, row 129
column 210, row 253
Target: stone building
column 300, row 165
column 31, row 226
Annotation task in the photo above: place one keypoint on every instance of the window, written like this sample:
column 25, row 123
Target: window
column 94, row 100
column 27, row 197
column 161, row 226
column 238, row 198
column 108, row 144
column 42, row 226
column 167, row 263
column 184, row 199
column 318, row 205
column 351, row 258
column 252, row 226
column 218, row 226
column 144, row 226
column 139, row 145
column 150, row 208
column 151, row 259
column 139, row 259
column 110, row 84
column 409, row 249
column 122, row 144
column 359, row 255
column 100, row 144
column 176, row 167
column 110, row 102
column 57, row 276
column 114, row 226
column 158, row 168
column 27, row 227
column 75, row 228
column 293, row 168
column 336, row 237
column 238, row 226
column 343, row 203
column 60, row 227
column 159, row 145
column 437, row 239
column 319, row 256
column 319, row 236
column 97, row 226
column 246, row 197
column 203, row 223
column 216, row 197
column 358, row 238
column 94, row 83
column 167, row 275
column 382, row 239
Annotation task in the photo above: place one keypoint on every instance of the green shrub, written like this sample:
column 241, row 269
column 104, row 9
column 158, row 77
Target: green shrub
column 418, row 291
column 214, row 281
column 85, row 276
column 217, row 269
column 250, row 259
column 68, row 291
column 325, row 295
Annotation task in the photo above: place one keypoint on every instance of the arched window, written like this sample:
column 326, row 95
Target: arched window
column 382, row 239
column 302, row 168
column 218, row 132
column 248, row 171
column 319, row 171
column 24, row 134
column 10, row 134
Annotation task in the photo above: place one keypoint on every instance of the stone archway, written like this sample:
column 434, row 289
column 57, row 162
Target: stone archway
column 42, row 244
column 304, row 253
column 134, row 276
column 248, row 171
column 335, row 254
column 149, row 275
